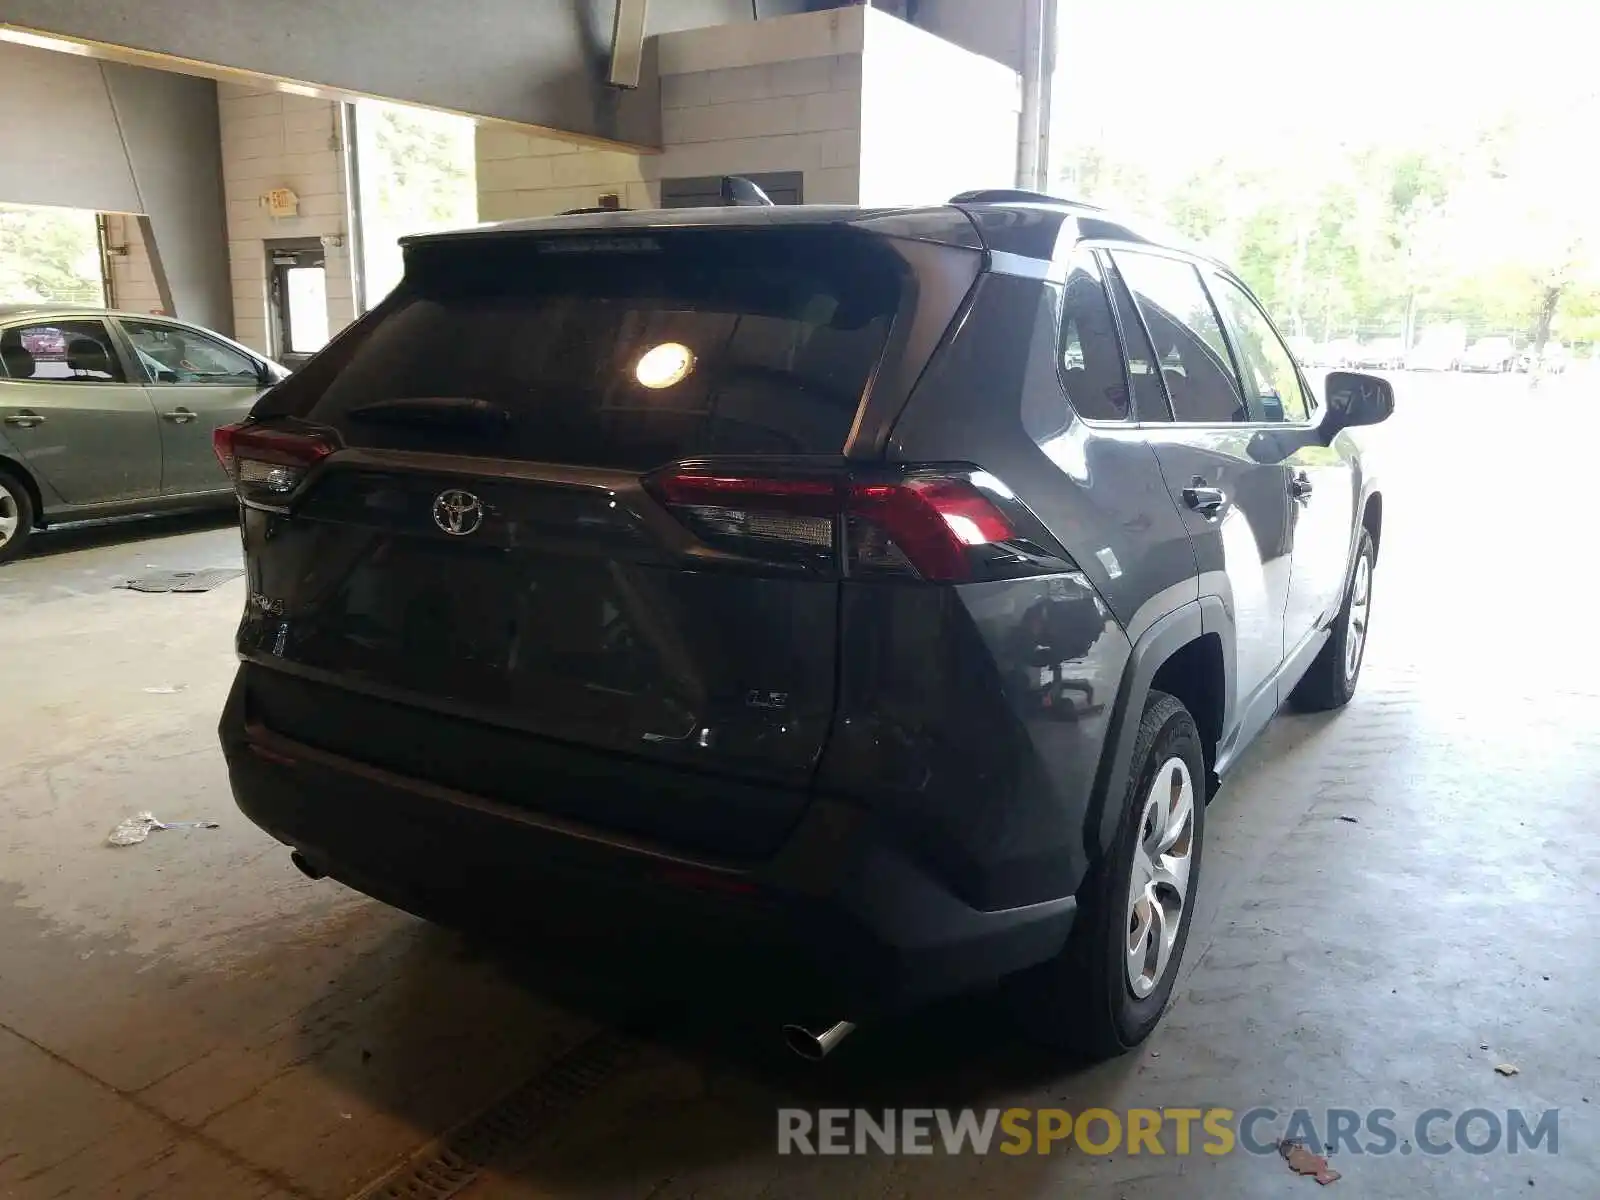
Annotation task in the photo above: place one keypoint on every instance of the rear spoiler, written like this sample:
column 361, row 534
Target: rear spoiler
column 737, row 192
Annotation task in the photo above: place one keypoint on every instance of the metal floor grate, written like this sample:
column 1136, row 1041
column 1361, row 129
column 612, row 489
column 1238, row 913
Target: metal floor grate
column 449, row 1165
column 183, row 581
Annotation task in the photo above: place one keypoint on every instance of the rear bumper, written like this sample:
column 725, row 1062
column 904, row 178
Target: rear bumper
column 843, row 919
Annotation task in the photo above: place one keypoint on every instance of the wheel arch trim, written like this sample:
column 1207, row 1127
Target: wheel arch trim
column 1158, row 644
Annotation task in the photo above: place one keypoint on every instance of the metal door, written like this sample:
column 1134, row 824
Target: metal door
column 298, row 273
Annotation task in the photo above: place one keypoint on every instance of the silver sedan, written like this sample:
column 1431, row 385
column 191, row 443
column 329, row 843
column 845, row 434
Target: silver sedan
column 108, row 414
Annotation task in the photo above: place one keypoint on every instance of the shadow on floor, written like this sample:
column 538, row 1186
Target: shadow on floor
column 93, row 535
column 714, row 1070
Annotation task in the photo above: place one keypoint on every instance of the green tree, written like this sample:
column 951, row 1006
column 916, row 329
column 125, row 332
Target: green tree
column 1485, row 230
column 49, row 254
column 417, row 174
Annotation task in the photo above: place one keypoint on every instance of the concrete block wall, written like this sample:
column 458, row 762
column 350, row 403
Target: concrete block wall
column 133, row 282
column 522, row 175
column 272, row 139
column 799, row 114
column 935, row 119
column 774, row 95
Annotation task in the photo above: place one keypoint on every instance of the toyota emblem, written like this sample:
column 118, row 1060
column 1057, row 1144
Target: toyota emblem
column 458, row 513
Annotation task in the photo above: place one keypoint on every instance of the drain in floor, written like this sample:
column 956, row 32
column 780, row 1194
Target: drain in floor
column 448, row 1166
column 183, row 581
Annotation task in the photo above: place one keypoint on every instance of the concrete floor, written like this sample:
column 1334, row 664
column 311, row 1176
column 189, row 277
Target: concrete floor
column 189, row 1017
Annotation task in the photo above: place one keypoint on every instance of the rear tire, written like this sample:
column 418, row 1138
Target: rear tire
column 16, row 516
column 1331, row 680
column 1105, row 992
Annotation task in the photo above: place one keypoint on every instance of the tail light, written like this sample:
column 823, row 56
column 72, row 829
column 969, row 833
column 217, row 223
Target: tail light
column 919, row 525
column 775, row 519
column 931, row 524
column 267, row 463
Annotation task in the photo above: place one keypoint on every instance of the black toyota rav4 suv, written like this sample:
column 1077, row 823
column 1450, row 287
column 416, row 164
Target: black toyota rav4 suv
column 878, row 593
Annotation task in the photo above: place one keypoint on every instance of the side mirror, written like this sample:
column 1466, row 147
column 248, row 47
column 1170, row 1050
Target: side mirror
column 1356, row 399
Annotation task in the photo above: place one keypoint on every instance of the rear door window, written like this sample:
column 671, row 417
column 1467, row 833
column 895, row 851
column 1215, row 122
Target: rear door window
column 1191, row 350
column 1091, row 360
column 61, row 352
column 623, row 352
column 1148, row 391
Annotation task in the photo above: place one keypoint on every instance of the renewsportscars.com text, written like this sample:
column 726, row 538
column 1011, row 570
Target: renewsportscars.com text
column 1176, row 1131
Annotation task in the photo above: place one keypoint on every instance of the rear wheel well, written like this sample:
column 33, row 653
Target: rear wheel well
column 1196, row 676
column 1372, row 520
column 9, row 466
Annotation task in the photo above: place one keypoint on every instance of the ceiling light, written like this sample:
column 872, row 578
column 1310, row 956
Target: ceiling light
column 664, row 365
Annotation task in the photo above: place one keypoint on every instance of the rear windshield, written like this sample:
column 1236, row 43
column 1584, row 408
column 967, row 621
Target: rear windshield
column 758, row 342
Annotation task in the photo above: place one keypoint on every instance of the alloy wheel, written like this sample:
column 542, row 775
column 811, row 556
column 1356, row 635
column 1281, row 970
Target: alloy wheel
column 1355, row 634
column 10, row 515
column 1159, row 887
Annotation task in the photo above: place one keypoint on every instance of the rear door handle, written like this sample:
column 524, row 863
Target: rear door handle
column 25, row 419
column 1300, row 486
column 1203, row 499
column 180, row 415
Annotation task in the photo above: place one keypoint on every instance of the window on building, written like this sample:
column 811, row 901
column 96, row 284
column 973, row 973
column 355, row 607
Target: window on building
column 705, row 191
column 308, row 308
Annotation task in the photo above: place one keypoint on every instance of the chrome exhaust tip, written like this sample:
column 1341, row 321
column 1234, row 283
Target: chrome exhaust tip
column 303, row 865
column 814, row 1046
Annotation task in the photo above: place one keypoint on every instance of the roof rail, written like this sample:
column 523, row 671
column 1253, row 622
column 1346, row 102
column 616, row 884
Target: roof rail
column 578, row 212
column 1015, row 196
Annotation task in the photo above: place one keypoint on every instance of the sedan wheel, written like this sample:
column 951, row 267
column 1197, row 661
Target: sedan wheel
column 16, row 517
column 8, row 515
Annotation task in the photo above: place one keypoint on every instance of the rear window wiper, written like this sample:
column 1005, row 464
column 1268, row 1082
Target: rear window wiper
column 435, row 412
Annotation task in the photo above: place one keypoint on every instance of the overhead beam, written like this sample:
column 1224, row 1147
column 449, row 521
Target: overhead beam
column 533, row 63
column 543, row 65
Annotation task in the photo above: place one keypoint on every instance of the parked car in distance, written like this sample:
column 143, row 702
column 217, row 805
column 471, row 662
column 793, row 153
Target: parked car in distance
column 108, row 414
column 631, row 577
column 1554, row 359
column 1493, row 354
column 1381, row 354
column 1337, row 354
column 1437, row 351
